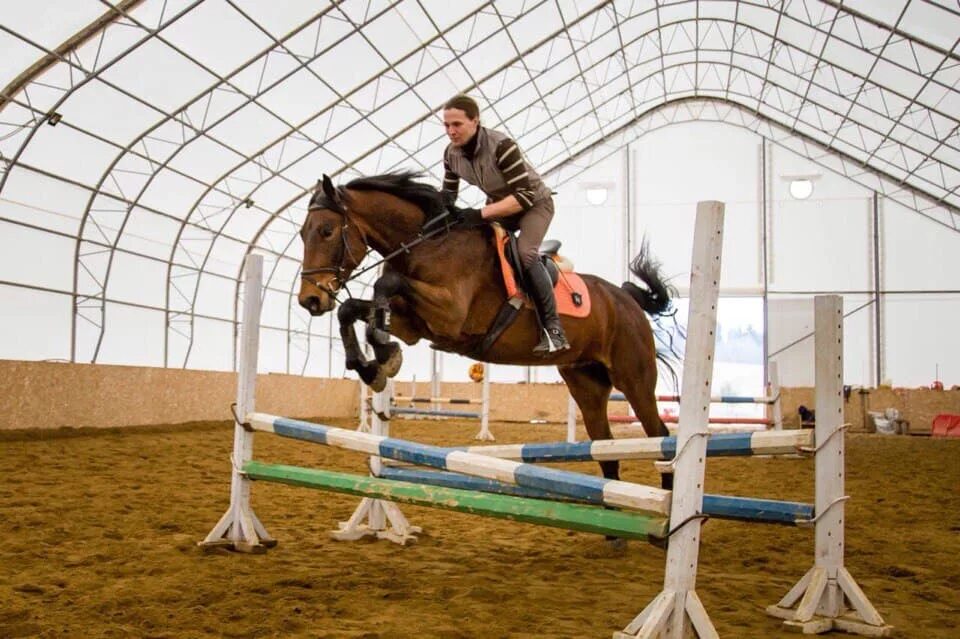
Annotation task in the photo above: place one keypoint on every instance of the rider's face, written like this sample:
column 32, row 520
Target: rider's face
column 458, row 126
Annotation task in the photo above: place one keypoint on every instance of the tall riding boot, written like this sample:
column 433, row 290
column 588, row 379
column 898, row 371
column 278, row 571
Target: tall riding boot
column 541, row 290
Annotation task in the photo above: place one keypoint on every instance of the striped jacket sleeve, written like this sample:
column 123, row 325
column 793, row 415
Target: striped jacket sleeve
column 514, row 170
column 451, row 184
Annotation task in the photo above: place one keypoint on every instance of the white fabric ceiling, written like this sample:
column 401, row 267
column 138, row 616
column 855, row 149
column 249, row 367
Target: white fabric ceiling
column 170, row 138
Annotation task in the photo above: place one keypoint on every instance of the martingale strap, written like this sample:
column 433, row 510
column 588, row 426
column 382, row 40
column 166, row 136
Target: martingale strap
column 505, row 316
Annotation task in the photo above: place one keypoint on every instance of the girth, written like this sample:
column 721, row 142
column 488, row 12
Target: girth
column 511, row 307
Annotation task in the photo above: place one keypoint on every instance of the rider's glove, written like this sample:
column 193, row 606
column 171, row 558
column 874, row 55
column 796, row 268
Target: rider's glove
column 466, row 217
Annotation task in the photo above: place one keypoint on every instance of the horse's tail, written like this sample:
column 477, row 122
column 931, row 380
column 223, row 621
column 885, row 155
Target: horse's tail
column 657, row 298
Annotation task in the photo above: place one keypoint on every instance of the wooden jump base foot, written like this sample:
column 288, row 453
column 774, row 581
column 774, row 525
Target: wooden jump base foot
column 239, row 530
column 485, row 435
column 383, row 521
column 653, row 621
column 818, row 604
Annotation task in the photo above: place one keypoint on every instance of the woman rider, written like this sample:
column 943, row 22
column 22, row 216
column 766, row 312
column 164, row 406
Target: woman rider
column 516, row 197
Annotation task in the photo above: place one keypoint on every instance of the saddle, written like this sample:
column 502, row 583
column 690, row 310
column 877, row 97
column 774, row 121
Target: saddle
column 569, row 289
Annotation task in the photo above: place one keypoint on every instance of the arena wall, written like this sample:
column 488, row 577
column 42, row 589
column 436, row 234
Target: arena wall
column 48, row 395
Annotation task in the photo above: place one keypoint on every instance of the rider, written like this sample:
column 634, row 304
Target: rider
column 516, row 197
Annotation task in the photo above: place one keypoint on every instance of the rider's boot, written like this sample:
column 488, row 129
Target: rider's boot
column 541, row 290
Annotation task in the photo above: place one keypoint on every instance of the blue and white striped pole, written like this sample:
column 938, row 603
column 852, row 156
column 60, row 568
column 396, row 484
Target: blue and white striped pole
column 718, row 445
column 596, row 490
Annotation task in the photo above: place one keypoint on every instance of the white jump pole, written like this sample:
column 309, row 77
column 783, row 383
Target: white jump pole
column 677, row 611
column 822, row 600
column 571, row 419
column 377, row 517
column 485, row 434
column 436, row 370
column 239, row 528
column 365, row 424
column 774, row 409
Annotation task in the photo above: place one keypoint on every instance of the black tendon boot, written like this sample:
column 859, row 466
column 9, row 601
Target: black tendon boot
column 541, row 290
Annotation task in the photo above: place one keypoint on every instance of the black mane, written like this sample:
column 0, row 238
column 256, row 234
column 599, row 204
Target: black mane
column 402, row 184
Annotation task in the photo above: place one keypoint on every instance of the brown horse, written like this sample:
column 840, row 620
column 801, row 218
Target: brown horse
column 448, row 289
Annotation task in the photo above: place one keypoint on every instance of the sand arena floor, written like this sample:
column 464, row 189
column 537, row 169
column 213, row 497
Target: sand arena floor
column 101, row 530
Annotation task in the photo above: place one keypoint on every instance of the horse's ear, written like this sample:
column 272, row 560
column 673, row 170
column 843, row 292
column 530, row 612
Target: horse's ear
column 329, row 189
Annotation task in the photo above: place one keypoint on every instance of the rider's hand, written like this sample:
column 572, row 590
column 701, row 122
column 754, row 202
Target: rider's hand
column 467, row 217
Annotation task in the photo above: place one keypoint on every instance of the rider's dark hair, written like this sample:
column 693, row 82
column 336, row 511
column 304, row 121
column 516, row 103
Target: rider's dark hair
column 465, row 103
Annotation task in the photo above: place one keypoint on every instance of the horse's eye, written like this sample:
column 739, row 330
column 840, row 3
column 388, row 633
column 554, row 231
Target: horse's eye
column 326, row 231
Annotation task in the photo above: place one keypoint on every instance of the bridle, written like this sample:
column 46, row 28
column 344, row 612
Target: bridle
column 341, row 275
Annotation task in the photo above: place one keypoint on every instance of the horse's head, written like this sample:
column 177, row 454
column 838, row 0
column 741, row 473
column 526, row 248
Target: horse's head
column 332, row 248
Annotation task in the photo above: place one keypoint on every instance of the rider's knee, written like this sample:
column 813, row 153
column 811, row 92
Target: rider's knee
column 529, row 256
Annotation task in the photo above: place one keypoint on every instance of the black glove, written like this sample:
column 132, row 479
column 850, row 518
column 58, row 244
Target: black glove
column 465, row 217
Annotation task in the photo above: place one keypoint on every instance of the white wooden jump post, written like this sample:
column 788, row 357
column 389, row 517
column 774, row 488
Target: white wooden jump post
column 377, row 517
column 239, row 527
column 828, row 597
column 677, row 611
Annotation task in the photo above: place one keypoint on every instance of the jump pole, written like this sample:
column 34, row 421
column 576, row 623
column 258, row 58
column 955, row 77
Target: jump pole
column 774, row 408
column 764, row 442
column 485, row 434
column 677, row 611
column 579, row 486
column 769, row 511
column 569, row 516
column 828, row 597
column 239, row 529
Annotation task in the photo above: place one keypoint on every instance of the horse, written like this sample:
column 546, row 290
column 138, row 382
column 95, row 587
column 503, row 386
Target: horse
column 446, row 286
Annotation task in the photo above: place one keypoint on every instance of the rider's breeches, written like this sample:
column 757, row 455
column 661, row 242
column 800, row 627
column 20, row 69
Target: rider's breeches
column 533, row 227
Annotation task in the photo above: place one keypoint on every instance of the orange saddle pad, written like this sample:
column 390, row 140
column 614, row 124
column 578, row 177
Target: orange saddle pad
column 573, row 298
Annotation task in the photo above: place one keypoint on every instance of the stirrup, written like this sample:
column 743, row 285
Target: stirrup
column 552, row 340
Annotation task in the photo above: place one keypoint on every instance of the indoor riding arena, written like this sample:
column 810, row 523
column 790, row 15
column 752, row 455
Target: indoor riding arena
column 416, row 319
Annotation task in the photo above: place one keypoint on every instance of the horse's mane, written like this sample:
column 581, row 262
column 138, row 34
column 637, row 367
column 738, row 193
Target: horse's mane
column 405, row 186
column 402, row 184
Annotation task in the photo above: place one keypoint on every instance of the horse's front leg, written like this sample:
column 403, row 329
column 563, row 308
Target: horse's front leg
column 370, row 371
column 387, row 351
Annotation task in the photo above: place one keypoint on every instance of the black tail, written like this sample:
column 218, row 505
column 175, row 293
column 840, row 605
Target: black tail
column 657, row 298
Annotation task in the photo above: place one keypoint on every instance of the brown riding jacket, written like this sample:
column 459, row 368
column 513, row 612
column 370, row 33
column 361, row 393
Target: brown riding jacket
column 497, row 167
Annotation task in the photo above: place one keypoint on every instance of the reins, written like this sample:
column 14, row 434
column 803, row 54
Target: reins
column 405, row 248
column 339, row 270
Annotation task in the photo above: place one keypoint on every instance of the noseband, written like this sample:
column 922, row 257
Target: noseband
column 340, row 274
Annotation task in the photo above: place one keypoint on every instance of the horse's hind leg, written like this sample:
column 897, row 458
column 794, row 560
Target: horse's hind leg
column 590, row 387
column 637, row 380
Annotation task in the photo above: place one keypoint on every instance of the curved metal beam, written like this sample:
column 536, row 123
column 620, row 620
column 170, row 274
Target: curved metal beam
column 73, row 43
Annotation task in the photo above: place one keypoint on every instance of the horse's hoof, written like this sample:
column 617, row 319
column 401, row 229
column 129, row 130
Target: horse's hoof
column 392, row 366
column 368, row 372
column 379, row 382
